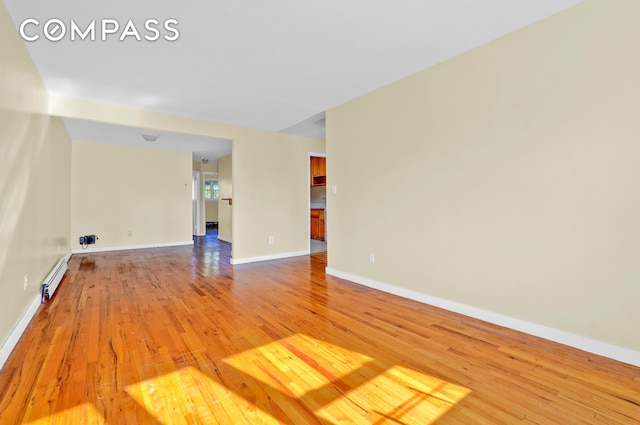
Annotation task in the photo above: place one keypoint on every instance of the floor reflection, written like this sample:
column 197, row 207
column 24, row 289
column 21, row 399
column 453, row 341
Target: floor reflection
column 209, row 254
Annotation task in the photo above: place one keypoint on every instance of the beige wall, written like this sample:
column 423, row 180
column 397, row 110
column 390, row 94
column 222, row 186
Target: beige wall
column 225, row 211
column 279, row 176
column 509, row 176
column 210, row 167
column 124, row 200
column 35, row 153
column 270, row 180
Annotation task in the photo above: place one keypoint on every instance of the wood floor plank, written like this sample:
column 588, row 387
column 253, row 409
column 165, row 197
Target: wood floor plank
column 179, row 336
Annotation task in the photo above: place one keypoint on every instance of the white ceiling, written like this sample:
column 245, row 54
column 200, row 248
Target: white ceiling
column 202, row 147
column 275, row 65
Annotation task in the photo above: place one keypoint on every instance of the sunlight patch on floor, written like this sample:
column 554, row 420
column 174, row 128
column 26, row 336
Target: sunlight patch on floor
column 82, row 414
column 342, row 386
column 188, row 396
column 301, row 380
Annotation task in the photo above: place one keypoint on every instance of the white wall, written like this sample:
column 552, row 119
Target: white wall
column 35, row 155
column 509, row 177
column 130, row 196
column 270, row 177
column 271, row 195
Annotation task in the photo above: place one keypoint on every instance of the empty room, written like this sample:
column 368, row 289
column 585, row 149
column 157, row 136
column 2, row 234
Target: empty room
column 418, row 212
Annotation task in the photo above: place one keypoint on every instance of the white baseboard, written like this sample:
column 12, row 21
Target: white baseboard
column 220, row 238
column 127, row 247
column 600, row 348
column 10, row 343
column 269, row 257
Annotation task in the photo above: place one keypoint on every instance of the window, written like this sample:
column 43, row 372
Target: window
column 211, row 192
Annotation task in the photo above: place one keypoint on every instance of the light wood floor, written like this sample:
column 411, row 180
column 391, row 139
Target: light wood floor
column 177, row 336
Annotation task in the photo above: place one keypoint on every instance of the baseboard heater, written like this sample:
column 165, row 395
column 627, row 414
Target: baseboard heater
column 52, row 281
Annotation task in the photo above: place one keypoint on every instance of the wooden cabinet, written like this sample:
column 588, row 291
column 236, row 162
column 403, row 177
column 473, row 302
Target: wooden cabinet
column 318, row 176
column 317, row 224
column 318, row 171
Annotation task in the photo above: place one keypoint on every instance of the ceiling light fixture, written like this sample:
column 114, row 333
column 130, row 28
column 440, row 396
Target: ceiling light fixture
column 149, row 137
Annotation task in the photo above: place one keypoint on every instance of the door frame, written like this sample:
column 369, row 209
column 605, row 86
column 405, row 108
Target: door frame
column 195, row 202
column 321, row 155
column 207, row 175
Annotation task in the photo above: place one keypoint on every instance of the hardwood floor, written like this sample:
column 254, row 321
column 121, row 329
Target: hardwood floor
column 178, row 336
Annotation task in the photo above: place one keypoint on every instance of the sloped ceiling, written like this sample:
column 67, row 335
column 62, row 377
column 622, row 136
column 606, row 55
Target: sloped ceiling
column 275, row 65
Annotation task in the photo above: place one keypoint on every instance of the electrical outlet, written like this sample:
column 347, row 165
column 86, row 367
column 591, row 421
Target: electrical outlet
column 88, row 240
column 272, row 240
column 129, row 233
column 334, row 188
column 372, row 257
column 26, row 281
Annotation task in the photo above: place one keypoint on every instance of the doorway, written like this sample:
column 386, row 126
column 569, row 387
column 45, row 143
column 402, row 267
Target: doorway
column 317, row 203
column 211, row 197
column 195, row 202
